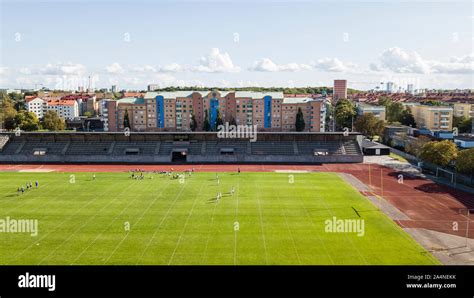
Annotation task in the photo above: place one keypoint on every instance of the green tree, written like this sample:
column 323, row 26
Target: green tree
column 219, row 120
column 126, row 120
column 369, row 125
column 432, row 102
column 464, row 124
column 193, row 124
column 385, row 101
column 407, row 118
column 232, row 121
column 88, row 114
column 344, row 112
column 52, row 121
column 27, row 121
column 415, row 146
column 439, row 153
column 8, row 112
column 394, row 112
column 207, row 125
column 465, row 161
column 299, row 123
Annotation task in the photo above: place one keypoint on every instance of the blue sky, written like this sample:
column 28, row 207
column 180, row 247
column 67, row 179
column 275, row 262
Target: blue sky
column 236, row 43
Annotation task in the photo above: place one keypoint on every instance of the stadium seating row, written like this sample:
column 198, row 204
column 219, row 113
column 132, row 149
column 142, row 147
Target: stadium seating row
column 235, row 147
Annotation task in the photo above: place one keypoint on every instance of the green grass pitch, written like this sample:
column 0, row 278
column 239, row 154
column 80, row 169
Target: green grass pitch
column 267, row 221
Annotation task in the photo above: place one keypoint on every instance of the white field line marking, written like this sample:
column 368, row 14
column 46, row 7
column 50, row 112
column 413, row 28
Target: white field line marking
column 236, row 219
column 83, row 225
column 210, row 230
column 317, row 231
column 159, row 225
column 139, row 219
column 108, row 226
column 184, row 227
column 261, row 224
column 288, row 228
column 345, row 234
column 61, row 224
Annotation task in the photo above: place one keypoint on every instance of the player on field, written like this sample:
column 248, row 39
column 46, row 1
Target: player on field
column 232, row 190
column 36, row 183
column 93, row 177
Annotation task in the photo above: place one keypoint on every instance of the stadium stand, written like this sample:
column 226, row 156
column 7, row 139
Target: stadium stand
column 167, row 147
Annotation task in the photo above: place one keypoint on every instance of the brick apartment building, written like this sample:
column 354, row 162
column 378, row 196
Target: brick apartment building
column 340, row 89
column 174, row 111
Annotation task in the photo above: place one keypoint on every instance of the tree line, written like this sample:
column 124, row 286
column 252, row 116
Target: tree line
column 14, row 116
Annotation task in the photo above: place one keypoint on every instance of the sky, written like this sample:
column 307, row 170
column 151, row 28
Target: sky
column 60, row 44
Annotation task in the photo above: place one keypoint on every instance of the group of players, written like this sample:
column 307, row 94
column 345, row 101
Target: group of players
column 29, row 185
column 138, row 174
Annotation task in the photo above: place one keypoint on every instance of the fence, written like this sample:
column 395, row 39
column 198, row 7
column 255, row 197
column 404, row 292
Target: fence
column 448, row 174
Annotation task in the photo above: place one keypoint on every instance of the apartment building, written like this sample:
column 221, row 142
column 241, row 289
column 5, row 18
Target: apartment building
column 175, row 111
column 314, row 114
column 463, row 109
column 36, row 105
column 340, row 89
column 86, row 102
column 377, row 111
column 67, row 109
column 433, row 117
column 135, row 108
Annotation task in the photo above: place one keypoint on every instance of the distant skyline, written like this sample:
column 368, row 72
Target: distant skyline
column 59, row 44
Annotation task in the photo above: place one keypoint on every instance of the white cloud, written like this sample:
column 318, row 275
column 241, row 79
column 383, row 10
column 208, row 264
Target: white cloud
column 375, row 67
column 333, row 65
column 63, row 69
column 403, row 61
column 114, row 68
column 144, row 68
column 3, row 70
column 247, row 84
column 25, row 70
column 173, row 67
column 216, row 61
column 267, row 65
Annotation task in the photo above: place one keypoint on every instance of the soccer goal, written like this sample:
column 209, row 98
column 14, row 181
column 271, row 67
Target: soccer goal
column 466, row 213
column 445, row 174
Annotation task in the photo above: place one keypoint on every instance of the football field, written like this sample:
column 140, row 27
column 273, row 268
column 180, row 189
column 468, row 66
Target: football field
column 271, row 218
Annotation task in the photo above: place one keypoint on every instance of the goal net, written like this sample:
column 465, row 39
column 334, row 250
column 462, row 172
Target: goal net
column 445, row 174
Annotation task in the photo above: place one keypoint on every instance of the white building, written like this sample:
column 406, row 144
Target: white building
column 37, row 106
column 390, row 87
column 67, row 109
column 153, row 87
column 104, row 113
